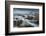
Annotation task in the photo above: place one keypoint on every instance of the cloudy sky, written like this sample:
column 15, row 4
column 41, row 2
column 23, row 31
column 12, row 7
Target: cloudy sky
column 24, row 11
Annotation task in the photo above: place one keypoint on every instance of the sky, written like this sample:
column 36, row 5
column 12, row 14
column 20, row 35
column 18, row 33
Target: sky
column 23, row 11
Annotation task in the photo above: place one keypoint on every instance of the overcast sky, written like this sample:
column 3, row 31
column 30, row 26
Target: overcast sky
column 24, row 11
